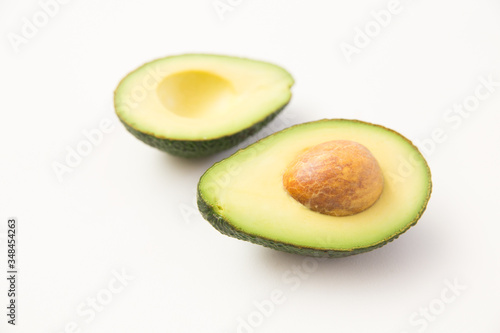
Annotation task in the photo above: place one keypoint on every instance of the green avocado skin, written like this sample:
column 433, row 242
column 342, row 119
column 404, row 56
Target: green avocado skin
column 200, row 148
column 224, row 227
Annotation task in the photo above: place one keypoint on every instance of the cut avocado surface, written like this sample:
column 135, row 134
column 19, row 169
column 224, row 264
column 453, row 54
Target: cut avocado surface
column 198, row 104
column 244, row 195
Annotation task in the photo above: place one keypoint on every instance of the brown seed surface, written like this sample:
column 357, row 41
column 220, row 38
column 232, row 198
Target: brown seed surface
column 338, row 178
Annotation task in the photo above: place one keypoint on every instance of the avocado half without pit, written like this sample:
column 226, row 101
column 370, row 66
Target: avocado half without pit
column 326, row 188
column 198, row 104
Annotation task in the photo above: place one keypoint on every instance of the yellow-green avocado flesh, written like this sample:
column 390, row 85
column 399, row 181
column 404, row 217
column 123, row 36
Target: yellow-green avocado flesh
column 195, row 105
column 243, row 196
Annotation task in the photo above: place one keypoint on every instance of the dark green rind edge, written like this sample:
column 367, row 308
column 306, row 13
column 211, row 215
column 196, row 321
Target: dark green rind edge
column 200, row 148
column 224, row 227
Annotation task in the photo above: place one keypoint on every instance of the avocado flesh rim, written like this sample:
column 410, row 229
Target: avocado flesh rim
column 189, row 105
column 263, row 213
column 200, row 148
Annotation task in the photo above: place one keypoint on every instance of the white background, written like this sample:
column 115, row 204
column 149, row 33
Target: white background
column 130, row 208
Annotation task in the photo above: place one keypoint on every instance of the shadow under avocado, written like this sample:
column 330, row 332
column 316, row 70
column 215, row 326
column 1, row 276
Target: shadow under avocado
column 413, row 252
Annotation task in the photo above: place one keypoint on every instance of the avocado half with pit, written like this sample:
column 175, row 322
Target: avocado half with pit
column 326, row 188
column 195, row 105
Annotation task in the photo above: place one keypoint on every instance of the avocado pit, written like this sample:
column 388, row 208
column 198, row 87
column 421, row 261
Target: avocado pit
column 337, row 178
